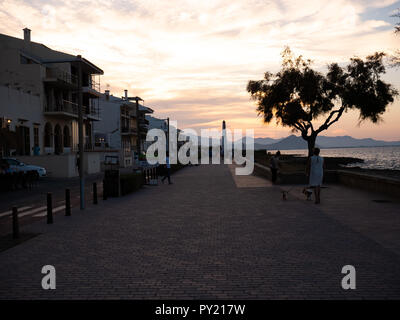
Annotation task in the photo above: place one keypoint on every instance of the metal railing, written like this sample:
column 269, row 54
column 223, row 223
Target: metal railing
column 128, row 130
column 61, row 75
column 143, row 121
column 62, row 106
column 92, row 84
column 93, row 109
column 72, row 107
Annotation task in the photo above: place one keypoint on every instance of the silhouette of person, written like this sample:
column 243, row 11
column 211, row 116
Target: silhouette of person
column 274, row 166
column 167, row 170
column 315, row 170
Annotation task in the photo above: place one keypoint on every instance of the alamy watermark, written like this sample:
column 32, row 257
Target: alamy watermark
column 212, row 144
column 349, row 280
column 49, row 280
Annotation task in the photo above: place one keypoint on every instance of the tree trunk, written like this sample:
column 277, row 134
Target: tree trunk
column 311, row 144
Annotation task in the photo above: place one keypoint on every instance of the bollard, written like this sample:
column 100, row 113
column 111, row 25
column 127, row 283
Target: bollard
column 49, row 209
column 67, row 202
column 15, row 223
column 104, row 190
column 94, row 193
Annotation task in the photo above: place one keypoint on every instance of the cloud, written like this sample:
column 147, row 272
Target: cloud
column 191, row 59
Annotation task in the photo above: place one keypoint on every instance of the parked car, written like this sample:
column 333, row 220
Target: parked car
column 16, row 166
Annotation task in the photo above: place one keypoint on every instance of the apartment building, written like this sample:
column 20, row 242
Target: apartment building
column 143, row 127
column 39, row 94
column 118, row 130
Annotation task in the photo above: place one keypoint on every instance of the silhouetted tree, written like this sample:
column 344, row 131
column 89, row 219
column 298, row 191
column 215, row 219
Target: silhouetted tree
column 297, row 95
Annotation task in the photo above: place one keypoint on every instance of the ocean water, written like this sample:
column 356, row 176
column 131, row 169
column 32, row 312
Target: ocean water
column 374, row 157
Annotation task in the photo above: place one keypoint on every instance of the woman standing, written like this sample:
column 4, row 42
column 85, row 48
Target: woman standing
column 315, row 170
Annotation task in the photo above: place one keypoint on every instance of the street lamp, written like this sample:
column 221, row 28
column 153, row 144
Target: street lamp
column 167, row 132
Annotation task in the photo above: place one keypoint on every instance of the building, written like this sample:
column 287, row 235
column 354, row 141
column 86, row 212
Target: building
column 143, row 128
column 123, row 128
column 118, row 129
column 162, row 124
column 39, row 96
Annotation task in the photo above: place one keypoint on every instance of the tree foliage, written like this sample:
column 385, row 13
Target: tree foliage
column 297, row 95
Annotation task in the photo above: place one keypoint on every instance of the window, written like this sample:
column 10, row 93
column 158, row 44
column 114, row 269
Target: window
column 67, row 137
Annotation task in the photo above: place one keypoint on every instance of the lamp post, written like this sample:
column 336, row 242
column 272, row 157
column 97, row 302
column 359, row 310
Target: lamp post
column 167, row 132
column 80, row 133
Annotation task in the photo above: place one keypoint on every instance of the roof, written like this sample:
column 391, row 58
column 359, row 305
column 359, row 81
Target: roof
column 145, row 109
column 43, row 54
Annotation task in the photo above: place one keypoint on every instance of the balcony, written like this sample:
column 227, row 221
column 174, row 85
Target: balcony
column 68, row 109
column 92, row 88
column 92, row 112
column 60, row 78
column 143, row 125
column 128, row 131
column 63, row 109
column 143, row 121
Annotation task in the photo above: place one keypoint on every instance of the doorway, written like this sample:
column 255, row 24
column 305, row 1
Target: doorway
column 23, row 141
column 58, row 141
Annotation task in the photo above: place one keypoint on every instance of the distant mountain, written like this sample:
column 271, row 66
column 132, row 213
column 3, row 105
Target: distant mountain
column 260, row 143
column 347, row 141
column 264, row 141
column 293, row 142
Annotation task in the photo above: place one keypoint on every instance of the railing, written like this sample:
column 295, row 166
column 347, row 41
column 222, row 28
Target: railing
column 61, row 75
column 92, row 84
column 92, row 110
column 62, row 106
column 72, row 107
column 128, row 130
column 143, row 121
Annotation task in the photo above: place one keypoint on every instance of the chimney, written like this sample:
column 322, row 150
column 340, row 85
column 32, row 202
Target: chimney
column 107, row 93
column 126, row 94
column 27, row 35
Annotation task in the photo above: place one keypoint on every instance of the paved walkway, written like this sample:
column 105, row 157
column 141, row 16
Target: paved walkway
column 213, row 235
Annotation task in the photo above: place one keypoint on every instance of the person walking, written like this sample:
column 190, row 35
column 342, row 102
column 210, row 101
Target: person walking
column 315, row 171
column 274, row 166
column 167, row 170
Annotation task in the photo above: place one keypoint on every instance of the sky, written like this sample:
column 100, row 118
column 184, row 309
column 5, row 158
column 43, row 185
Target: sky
column 190, row 60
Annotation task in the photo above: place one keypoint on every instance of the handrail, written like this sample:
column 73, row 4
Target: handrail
column 61, row 75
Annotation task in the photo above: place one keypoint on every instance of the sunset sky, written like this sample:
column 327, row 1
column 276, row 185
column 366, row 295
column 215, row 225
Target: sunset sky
column 191, row 59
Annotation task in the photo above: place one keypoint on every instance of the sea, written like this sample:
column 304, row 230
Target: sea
column 374, row 157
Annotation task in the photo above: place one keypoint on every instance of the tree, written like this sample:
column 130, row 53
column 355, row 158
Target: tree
column 297, row 95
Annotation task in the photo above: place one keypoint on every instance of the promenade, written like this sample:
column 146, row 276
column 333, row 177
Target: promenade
column 213, row 235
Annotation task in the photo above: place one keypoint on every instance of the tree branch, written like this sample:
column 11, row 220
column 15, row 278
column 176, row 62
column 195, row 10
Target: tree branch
column 311, row 126
column 328, row 121
column 298, row 127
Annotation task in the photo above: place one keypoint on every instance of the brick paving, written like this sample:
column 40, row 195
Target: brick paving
column 211, row 235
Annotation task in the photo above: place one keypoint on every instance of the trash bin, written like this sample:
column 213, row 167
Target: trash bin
column 112, row 177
